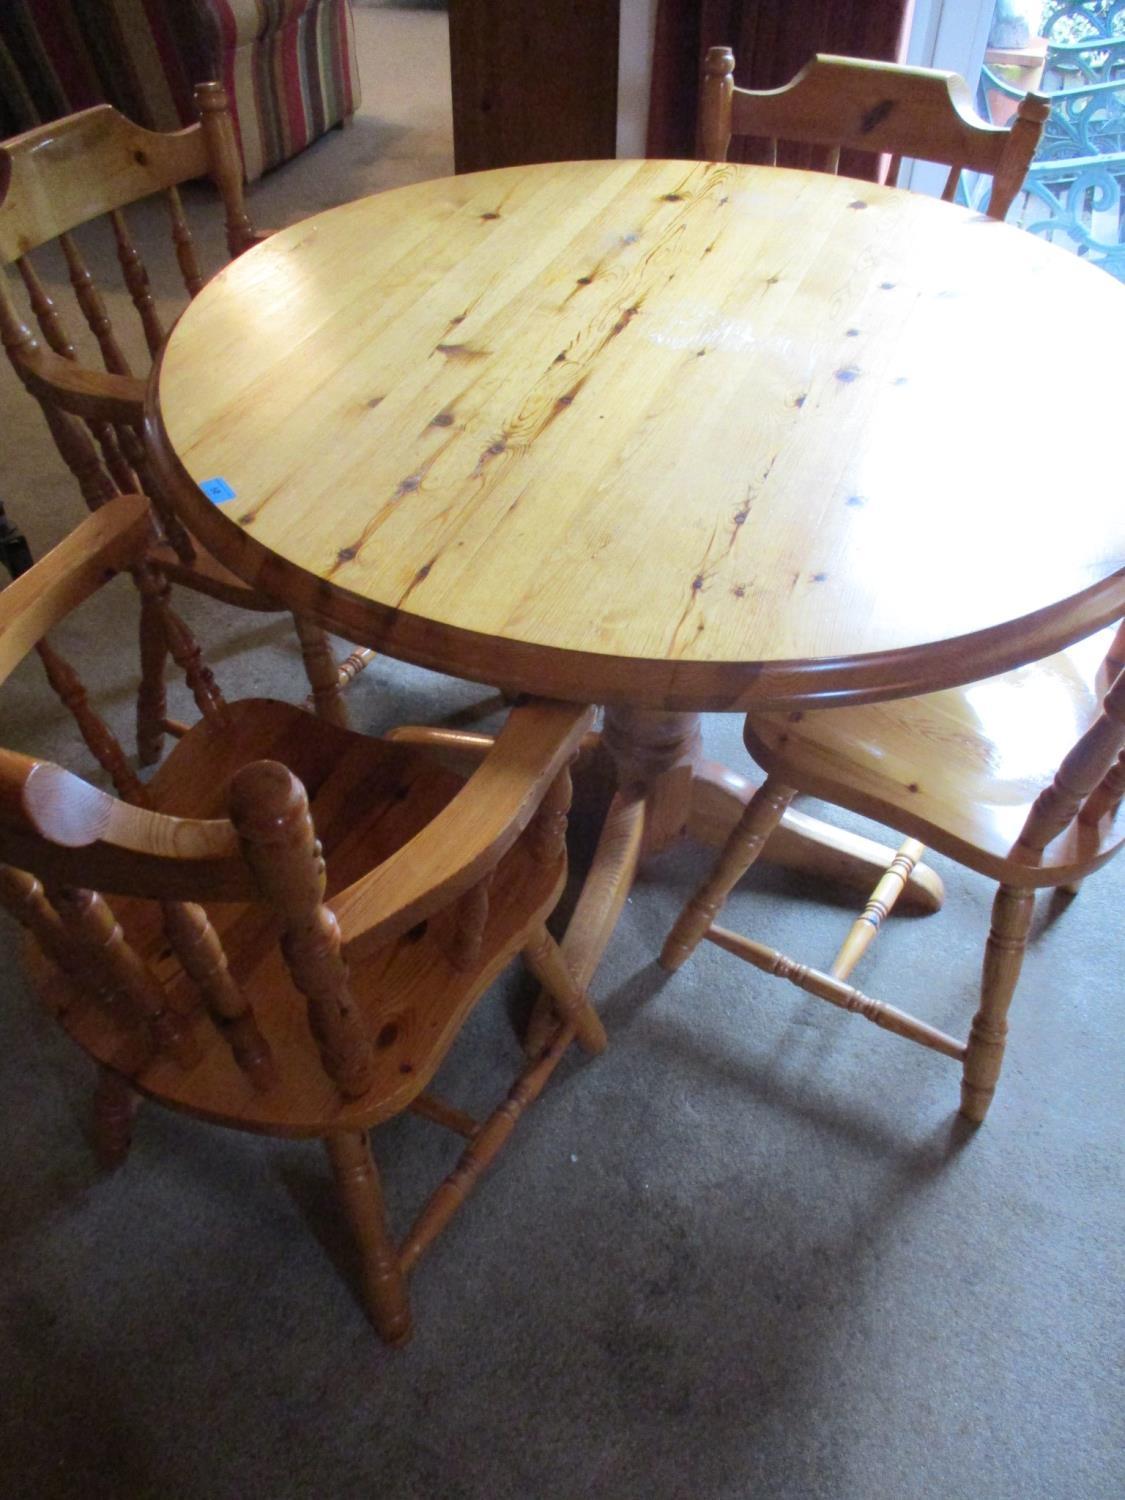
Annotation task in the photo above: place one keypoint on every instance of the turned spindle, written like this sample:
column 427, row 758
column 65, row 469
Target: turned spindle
column 836, row 992
column 865, row 929
column 226, row 164
column 470, row 919
column 186, row 925
column 135, row 272
column 546, row 833
column 353, row 664
column 152, row 697
column 23, row 896
column 181, row 644
column 93, row 308
column 1083, row 769
column 119, row 970
column 96, row 734
column 46, row 313
column 1106, row 797
column 77, row 451
column 270, row 812
column 183, row 243
column 199, row 949
column 1115, row 656
column 321, row 670
column 51, row 326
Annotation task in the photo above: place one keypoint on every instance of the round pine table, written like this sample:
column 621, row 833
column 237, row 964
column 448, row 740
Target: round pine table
column 665, row 436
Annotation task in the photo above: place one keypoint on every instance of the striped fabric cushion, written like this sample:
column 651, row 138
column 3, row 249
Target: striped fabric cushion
column 289, row 69
column 288, row 65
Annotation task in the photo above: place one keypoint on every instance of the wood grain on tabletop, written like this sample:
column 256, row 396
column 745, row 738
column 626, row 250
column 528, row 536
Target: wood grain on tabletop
column 684, row 435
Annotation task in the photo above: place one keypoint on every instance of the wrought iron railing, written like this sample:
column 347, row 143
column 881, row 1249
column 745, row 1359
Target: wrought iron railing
column 1075, row 189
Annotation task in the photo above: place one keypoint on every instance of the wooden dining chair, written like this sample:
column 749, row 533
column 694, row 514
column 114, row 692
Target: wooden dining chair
column 285, row 929
column 969, row 772
column 850, row 104
column 60, row 178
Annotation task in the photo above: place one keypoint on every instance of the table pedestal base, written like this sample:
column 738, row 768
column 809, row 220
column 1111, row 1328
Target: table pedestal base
column 667, row 790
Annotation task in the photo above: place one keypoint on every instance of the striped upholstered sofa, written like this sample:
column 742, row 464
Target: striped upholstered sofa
column 288, row 65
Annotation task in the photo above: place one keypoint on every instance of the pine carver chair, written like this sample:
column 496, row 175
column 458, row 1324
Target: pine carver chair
column 284, row 930
column 968, row 772
column 58, row 178
column 846, row 103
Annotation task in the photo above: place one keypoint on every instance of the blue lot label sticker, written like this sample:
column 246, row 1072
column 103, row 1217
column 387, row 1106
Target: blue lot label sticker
column 217, row 490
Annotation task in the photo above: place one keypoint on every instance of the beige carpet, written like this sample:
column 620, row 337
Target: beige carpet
column 747, row 1253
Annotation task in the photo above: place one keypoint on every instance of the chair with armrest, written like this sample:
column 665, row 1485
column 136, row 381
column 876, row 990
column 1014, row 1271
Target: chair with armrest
column 968, row 772
column 58, row 179
column 849, row 104
column 286, row 928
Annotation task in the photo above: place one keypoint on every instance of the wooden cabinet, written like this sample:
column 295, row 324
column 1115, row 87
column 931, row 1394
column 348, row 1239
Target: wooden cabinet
column 533, row 82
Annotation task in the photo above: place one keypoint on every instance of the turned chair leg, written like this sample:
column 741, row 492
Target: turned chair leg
column 322, row 672
column 762, row 815
column 115, row 1104
column 1003, row 957
column 544, row 958
column 361, row 1193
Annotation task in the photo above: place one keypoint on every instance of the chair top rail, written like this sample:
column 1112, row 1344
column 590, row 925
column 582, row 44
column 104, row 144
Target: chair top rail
column 922, row 112
column 67, row 172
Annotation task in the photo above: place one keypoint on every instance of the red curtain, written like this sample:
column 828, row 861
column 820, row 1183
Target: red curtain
column 771, row 39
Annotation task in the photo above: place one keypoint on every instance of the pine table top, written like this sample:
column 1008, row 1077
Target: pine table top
column 678, row 435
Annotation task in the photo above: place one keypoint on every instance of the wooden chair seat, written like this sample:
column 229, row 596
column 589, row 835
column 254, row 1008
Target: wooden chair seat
column 367, row 798
column 958, row 770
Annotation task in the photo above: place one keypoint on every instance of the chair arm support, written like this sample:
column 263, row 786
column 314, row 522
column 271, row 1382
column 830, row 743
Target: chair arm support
column 67, row 832
column 94, row 394
column 471, row 834
column 102, row 544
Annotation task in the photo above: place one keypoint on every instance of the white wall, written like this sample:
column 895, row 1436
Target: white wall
column 634, row 74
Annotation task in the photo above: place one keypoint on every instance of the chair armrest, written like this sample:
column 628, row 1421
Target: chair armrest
column 94, row 394
column 102, row 544
column 67, row 832
column 471, row 834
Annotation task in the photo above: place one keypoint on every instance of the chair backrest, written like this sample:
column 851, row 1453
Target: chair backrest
column 66, row 845
column 878, row 108
column 56, row 179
